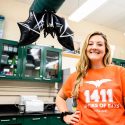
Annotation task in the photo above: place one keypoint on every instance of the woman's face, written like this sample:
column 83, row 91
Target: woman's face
column 96, row 48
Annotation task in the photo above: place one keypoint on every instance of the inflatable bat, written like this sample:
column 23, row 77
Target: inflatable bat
column 42, row 17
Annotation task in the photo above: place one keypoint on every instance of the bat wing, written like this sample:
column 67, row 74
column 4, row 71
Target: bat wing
column 92, row 83
column 105, row 80
column 64, row 34
column 30, row 29
column 27, row 36
column 100, row 82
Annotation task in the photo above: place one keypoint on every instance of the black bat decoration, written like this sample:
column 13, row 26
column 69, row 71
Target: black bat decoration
column 30, row 29
column 49, row 23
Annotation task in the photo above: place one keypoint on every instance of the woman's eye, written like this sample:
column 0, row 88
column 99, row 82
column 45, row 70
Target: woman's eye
column 90, row 44
column 99, row 44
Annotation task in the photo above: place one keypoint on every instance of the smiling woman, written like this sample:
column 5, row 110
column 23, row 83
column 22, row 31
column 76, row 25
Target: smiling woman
column 97, row 86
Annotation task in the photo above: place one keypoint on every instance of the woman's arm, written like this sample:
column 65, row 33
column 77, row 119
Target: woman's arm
column 61, row 101
column 62, row 107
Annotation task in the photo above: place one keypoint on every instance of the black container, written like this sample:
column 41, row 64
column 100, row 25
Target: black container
column 49, row 107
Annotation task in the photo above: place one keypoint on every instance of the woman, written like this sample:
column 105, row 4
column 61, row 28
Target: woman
column 97, row 86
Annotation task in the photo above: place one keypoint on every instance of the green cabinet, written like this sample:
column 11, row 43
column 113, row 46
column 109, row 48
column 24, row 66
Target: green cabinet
column 32, row 120
column 55, row 120
column 11, row 121
column 52, row 64
column 31, row 62
column 35, row 120
column 42, row 63
column 9, row 59
column 119, row 62
column 43, row 120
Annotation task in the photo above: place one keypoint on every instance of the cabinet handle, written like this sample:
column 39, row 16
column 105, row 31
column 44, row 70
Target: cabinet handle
column 13, row 118
column 45, row 117
column 36, row 119
column 2, row 76
column 5, row 120
column 46, row 78
column 37, row 78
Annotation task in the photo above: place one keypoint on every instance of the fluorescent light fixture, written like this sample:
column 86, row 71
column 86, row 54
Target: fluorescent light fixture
column 88, row 7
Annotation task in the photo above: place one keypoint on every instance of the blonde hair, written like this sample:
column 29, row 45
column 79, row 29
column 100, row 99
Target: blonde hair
column 84, row 64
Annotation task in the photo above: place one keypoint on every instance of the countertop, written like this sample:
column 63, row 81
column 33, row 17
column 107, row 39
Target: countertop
column 13, row 110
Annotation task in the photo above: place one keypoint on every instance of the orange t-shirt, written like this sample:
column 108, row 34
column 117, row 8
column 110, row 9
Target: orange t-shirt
column 100, row 96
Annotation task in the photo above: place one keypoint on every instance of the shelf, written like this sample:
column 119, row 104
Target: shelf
column 71, row 55
column 30, row 65
column 48, row 57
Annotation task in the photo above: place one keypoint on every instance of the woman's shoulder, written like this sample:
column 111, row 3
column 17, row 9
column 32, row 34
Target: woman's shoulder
column 116, row 67
column 73, row 74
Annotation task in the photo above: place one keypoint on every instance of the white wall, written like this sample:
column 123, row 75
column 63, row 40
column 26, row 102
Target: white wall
column 10, row 91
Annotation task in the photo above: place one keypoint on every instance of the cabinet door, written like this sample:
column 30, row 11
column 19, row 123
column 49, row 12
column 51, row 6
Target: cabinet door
column 122, row 64
column 32, row 62
column 55, row 120
column 52, row 65
column 115, row 61
column 119, row 62
column 9, row 59
column 36, row 120
column 11, row 121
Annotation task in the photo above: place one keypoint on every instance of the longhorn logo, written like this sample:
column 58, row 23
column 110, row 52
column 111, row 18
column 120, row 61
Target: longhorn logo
column 98, row 83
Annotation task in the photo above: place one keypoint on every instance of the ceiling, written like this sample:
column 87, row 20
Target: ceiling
column 111, row 14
